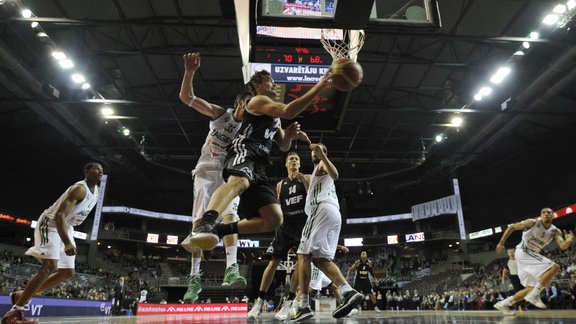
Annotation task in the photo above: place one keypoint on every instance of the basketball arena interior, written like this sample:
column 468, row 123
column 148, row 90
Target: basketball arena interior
column 463, row 124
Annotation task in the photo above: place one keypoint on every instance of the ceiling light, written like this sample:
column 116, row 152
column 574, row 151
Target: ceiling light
column 86, row 86
column 78, row 78
column 126, row 132
column 456, row 121
column 571, row 4
column 477, row 97
column 551, row 19
column 497, row 79
column 559, row 9
column 526, row 44
column 66, row 64
column 519, row 53
column 42, row 34
column 109, row 246
column 59, row 55
column 107, row 111
column 26, row 13
column 504, row 71
column 534, row 35
column 485, row 91
column 34, row 24
column 439, row 138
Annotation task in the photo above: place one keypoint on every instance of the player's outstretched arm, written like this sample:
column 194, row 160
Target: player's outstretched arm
column 566, row 242
column 73, row 195
column 191, row 64
column 528, row 223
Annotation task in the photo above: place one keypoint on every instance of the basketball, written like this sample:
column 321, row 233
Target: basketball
column 346, row 74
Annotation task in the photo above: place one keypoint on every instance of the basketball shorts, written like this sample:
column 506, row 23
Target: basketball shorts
column 321, row 232
column 318, row 279
column 287, row 236
column 246, row 164
column 364, row 286
column 206, row 181
column 49, row 246
column 531, row 266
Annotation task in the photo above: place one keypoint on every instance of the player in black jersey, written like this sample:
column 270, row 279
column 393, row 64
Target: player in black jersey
column 363, row 284
column 244, row 169
column 291, row 192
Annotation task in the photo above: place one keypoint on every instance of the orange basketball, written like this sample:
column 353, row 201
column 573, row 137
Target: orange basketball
column 346, row 74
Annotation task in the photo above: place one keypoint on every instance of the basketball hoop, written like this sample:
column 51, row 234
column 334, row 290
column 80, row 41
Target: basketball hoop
column 334, row 42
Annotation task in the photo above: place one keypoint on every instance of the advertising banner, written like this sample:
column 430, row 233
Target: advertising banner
column 152, row 309
column 47, row 306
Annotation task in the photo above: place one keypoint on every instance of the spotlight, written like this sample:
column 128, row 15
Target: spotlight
column 571, row 4
column 559, row 9
column 34, row 24
column 86, row 86
column 439, row 138
column 526, row 45
column 534, row 35
column 28, row 239
column 26, row 13
column 551, row 19
column 42, row 34
column 478, row 97
column 519, row 53
column 107, row 111
column 126, row 132
column 456, row 121
column 59, row 55
column 78, row 78
column 66, row 64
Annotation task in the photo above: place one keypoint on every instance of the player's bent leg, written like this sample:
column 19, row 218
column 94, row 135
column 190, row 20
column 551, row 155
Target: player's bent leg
column 232, row 277
column 270, row 218
column 56, row 278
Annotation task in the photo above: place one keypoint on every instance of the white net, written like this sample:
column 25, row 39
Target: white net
column 343, row 43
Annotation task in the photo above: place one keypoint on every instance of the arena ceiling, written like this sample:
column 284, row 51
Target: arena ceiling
column 415, row 82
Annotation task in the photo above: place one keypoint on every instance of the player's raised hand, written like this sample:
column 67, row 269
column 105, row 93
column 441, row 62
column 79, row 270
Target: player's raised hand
column 568, row 235
column 292, row 130
column 500, row 248
column 326, row 78
column 318, row 151
column 301, row 135
column 191, row 62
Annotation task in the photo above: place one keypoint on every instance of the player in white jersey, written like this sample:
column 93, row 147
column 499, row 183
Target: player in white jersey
column 320, row 236
column 207, row 176
column 54, row 243
column 534, row 270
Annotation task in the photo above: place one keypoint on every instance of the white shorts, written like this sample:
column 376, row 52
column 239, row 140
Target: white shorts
column 48, row 245
column 318, row 279
column 531, row 266
column 206, row 181
column 321, row 232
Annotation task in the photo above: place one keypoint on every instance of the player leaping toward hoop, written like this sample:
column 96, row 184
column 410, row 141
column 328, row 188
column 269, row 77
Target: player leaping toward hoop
column 245, row 164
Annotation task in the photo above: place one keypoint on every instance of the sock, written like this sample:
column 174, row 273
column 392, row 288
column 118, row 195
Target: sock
column 536, row 290
column 344, row 288
column 304, row 300
column 227, row 229
column 210, row 216
column 262, row 294
column 291, row 296
column 508, row 301
column 195, row 266
column 231, row 255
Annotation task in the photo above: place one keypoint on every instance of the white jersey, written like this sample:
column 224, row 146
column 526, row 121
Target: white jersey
column 537, row 237
column 222, row 131
column 321, row 190
column 79, row 212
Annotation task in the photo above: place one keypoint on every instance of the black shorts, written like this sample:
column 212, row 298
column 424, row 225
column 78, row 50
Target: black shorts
column 286, row 237
column 248, row 165
column 260, row 193
column 364, row 286
column 255, row 197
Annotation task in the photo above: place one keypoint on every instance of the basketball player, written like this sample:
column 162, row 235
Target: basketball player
column 246, row 162
column 54, row 243
column 510, row 271
column 207, row 176
column 362, row 283
column 291, row 192
column 534, row 270
column 320, row 236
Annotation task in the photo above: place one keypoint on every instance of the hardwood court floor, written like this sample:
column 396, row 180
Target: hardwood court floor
column 403, row 317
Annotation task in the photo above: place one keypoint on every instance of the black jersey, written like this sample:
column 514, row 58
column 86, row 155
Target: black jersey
column 363, row 269
column 256, row 135
column 293, row 199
